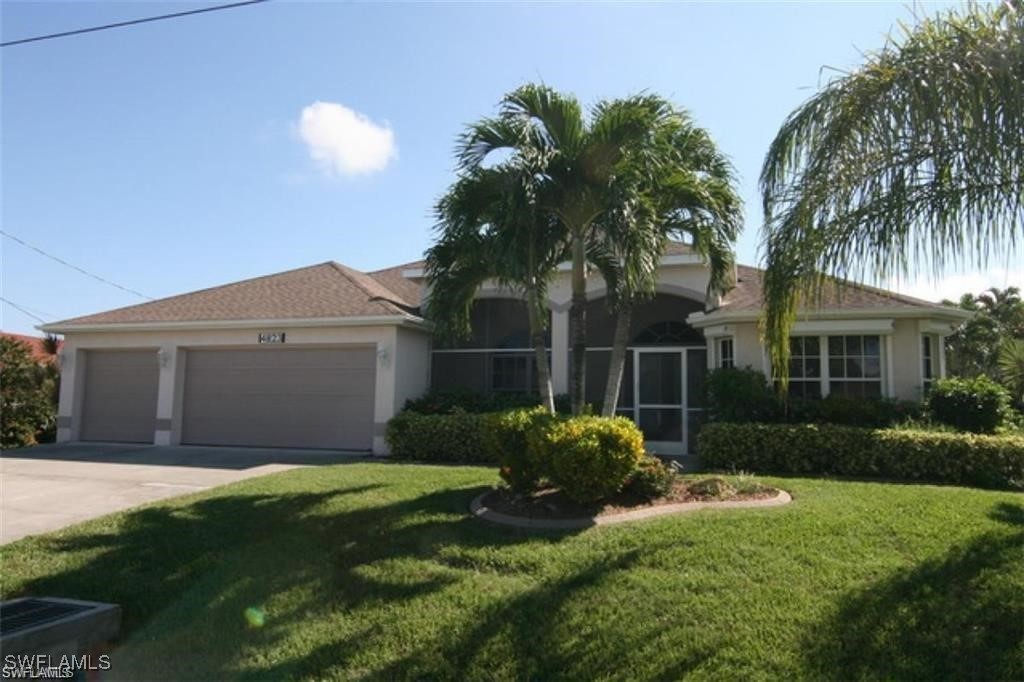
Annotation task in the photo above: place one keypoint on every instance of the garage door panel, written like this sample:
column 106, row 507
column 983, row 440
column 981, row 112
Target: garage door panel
column 119, row 402
column 317, row 398
column 276, row 382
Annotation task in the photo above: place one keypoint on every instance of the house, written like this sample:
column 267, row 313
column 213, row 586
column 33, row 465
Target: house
column 35, row 345
column 323, row 356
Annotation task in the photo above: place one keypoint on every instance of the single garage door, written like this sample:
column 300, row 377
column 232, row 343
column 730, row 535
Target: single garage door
column 295, row 397
column 119, row 403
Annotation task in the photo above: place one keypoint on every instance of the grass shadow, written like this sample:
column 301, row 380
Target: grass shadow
column 960, row 616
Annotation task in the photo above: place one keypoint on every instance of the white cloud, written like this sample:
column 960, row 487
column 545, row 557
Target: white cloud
column 952, row 287
column 343, row 141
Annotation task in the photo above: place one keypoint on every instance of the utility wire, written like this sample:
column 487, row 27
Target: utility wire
column 73, row 267
column 19, row 308
column 131, row 22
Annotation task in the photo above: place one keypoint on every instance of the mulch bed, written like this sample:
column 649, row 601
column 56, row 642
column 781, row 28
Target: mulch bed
column 551, row 503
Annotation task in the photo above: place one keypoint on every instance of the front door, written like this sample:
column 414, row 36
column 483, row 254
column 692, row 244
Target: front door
column 668, row 384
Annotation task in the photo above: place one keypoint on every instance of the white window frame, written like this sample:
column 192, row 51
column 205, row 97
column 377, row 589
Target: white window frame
column 885, row 360
column 720, row 351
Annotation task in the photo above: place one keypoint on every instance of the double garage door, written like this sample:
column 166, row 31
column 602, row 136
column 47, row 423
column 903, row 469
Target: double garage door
column 294, row 397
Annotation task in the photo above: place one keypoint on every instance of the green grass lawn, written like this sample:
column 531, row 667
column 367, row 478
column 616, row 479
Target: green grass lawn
column 376, row 570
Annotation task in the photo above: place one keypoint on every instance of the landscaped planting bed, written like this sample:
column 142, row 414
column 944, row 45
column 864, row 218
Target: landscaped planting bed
column 552, row 503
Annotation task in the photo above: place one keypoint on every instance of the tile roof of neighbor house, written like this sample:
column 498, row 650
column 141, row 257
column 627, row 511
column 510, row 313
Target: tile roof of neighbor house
column 319, row 291
column 35, row 346
column 332, row 290
column 748, row 294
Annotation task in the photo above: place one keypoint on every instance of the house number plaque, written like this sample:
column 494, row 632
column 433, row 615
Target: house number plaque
column 271, row 337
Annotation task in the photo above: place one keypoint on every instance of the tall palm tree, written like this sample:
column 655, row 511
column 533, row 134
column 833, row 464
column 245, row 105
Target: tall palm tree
column 577, row 159
column 682, row 187
column 915, row 159
column 490, row 229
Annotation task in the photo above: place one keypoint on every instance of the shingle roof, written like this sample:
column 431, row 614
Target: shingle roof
column 319, row 291
column 392, row 278
column 333, row 290
column 748, row 294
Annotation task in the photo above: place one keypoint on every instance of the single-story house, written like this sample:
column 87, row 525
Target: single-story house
column 324, row 356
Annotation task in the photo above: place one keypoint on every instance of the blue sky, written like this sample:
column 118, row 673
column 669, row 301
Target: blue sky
column 174, row 155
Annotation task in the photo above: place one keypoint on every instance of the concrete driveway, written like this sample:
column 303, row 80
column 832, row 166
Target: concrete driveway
column 51, row 486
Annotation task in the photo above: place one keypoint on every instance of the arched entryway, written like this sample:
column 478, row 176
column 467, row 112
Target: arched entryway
column 663, row 380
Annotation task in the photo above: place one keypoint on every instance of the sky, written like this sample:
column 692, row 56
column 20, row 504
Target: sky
column 176, row 155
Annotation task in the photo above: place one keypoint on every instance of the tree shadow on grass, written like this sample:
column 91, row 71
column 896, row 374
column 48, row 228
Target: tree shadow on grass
column 960, row 616
column 185, row 575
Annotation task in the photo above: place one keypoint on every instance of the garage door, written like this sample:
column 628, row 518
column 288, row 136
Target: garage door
column 299, row 398
column 119, row 403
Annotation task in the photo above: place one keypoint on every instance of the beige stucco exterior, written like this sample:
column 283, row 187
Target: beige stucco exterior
column 402, row 366
column 900, row 330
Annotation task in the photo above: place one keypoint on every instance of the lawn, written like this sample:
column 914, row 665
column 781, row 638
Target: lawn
column 375, row 570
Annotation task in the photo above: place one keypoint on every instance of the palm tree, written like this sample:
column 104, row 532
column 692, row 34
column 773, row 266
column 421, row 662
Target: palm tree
column 490, row 229
column 915, row 159
column 576, row 161
column 683, row 188
column 1011, row 368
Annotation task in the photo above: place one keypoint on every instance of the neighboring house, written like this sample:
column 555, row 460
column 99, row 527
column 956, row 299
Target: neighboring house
column 35, row 346
column 323, row 356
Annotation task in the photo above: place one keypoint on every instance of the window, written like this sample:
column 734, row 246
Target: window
column 669, row 333
column 512, row 373
column 927, row 363
column 805, row 367
column 855, row 365
column 725, row 357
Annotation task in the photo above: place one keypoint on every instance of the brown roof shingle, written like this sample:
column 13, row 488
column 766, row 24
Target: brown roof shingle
column 333, row 290
column 319, row 291
column 409, row 289
column 748, row 294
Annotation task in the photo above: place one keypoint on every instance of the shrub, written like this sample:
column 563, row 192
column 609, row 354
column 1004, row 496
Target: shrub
column 450, row 400
column 982, row 460
column 27, row 412
column 876, row 412
column 744, row 395
column 740, row 395
column 456, row 437
column 716, row 487
column 588, row 457
column 978, row 405
column 651, row 479
column 506, row 437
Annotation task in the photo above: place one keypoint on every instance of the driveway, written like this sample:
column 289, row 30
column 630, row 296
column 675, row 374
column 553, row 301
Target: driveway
column 51, row 486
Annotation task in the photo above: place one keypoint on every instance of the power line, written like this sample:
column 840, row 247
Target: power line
column 131, row 22
column 73, row 267
column 19, row 308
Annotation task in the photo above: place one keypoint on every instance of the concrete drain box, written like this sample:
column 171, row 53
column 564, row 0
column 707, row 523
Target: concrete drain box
column 67, row 638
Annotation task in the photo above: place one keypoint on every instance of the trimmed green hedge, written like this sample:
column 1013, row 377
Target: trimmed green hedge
column 981, row 460
column 460, row 437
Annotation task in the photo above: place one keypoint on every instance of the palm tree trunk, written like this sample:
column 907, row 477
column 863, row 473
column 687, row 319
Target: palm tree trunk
column 547, row 394
column 577, row 323
column 617, row 363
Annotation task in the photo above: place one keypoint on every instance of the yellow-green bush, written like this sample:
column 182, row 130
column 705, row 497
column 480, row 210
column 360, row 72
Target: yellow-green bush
column 506, row 437
column 970, row 459
column 588, row 457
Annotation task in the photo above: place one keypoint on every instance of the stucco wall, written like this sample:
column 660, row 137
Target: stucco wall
column 396, row 378
column 412, row 365
column 901, row 337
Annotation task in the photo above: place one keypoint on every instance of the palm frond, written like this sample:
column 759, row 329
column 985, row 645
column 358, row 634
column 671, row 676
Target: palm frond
column 914, row 161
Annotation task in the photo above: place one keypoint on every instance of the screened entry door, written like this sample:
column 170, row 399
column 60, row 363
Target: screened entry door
column 668, row 385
